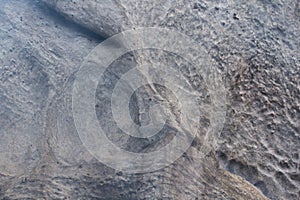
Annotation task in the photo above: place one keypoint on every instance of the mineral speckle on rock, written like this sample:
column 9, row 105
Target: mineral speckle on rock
column 254, row 45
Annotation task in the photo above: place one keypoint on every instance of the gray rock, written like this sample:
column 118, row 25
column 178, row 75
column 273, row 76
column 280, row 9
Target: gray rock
column 255, row 46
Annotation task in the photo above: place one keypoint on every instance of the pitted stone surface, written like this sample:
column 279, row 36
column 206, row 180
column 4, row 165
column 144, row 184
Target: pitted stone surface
column 255, row 46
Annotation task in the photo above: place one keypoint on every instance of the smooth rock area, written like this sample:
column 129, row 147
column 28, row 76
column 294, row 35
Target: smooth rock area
column 254, row 45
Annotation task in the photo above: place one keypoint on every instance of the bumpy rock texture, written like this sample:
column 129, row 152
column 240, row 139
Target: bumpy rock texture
column 255, row 45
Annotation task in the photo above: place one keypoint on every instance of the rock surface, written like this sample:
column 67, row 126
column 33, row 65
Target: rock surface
column 255, row 46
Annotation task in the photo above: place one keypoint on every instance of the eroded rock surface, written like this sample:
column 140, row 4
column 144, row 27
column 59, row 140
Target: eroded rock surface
column 255, row 46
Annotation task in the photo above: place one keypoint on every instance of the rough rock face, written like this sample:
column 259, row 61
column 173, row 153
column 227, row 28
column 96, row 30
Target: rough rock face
column 255, row 46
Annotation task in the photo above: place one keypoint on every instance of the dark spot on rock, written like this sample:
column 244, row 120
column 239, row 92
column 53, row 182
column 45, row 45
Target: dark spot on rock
column 222, row 155
column 119, row 173
column 295, row 177
column 297, row 9
column 284, row 164
column 195, row 142
column 235, row 16
column 262, row 186
column 24, row 180
column 200, row 6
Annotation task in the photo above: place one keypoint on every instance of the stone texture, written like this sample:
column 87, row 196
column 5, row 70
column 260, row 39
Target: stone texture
column 255, row 46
